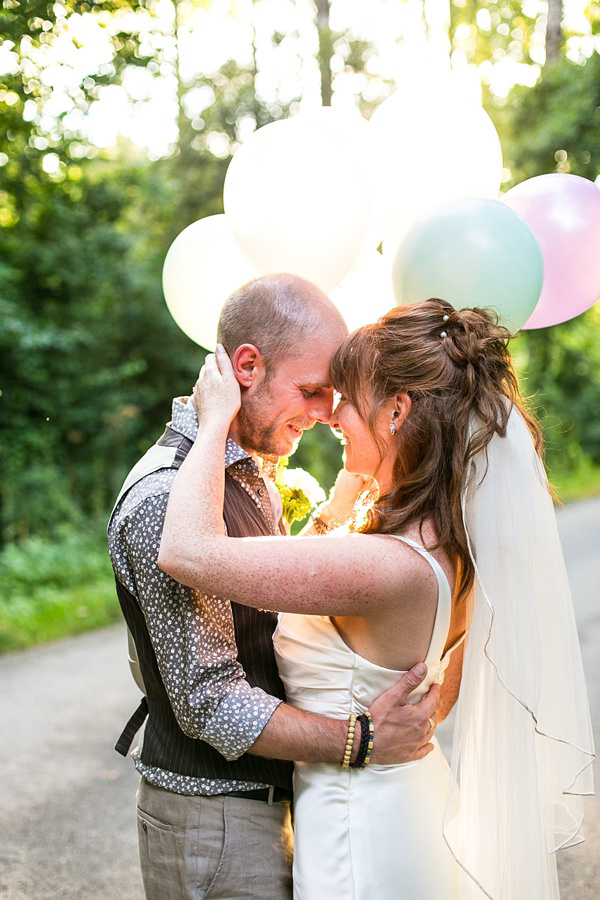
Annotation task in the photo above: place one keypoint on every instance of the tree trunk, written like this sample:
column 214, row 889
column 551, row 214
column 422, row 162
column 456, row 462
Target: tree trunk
column 181, row 123
column 325, row 49
column 554, row 36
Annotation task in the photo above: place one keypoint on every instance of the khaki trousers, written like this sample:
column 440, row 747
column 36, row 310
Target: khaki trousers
column 213, row 848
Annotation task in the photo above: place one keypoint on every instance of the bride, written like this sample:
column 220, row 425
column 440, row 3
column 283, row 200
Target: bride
column 462, row 533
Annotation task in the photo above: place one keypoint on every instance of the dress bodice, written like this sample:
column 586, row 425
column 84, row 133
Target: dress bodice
column 377, row 831
column 323, row 675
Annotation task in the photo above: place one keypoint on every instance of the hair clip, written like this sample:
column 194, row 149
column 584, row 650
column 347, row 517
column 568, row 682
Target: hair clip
column 443, row 334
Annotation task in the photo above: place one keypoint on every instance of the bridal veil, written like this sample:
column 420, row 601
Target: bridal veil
column 523, row 745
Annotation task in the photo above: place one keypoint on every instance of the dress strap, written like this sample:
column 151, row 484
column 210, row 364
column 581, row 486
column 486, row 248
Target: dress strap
column 441, row 625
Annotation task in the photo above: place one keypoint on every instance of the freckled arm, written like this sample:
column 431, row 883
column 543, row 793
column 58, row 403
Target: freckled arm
column 347, row 574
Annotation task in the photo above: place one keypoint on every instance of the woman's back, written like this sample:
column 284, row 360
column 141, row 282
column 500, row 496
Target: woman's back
column 377, row 829
column 399, row 635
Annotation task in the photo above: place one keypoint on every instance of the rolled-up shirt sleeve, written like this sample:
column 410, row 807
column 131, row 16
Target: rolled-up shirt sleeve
column 193, row 638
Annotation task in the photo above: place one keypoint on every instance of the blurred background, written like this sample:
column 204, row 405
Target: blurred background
column 118, row 121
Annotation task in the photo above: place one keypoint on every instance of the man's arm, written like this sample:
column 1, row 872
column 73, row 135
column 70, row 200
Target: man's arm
column 194, row 642
column 451, row 685
column 402, row 731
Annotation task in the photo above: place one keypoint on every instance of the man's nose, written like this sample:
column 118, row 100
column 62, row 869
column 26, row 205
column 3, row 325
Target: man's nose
column 321, row 407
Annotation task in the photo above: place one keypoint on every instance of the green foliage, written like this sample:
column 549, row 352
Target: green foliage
column 28, row 31
column 89, row 356
column 490, row 31
column 560, row 367
column 554, row 126
column 319, row 453
column 52, row 588
column 569, row 486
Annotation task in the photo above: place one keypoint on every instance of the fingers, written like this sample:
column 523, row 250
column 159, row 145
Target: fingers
column 423, row 751
column 217, row 362
column 224, row 363
column 409, row 681
column 208, row 365
column 429, row 705
column 219, row 354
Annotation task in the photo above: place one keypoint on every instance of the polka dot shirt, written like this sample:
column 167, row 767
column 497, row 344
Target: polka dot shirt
column 192, row 633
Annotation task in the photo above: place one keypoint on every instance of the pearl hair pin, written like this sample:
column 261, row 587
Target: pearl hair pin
column 443, row 334
column 445, row 319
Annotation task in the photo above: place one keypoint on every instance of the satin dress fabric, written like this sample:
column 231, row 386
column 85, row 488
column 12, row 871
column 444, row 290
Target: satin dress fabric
column 375, row 832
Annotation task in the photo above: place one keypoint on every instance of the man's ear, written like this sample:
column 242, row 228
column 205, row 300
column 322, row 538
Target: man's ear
column 248, row 365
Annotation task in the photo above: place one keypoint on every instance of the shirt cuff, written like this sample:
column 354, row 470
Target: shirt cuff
column 239, row 720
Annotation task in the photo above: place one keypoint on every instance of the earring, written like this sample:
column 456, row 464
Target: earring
column 393, row 428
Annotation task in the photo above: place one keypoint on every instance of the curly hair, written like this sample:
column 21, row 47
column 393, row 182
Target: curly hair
column 455, row 367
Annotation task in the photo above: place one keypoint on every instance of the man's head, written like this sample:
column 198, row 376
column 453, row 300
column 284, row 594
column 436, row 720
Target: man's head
column 280, row 332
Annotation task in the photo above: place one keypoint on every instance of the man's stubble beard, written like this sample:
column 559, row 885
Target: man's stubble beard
column 253, row 433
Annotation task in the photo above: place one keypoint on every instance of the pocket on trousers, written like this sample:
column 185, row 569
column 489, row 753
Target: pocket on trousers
column 158, row 857
column 145, row 818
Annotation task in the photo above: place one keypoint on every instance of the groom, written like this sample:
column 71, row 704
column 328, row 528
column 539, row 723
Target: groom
column 216, row 785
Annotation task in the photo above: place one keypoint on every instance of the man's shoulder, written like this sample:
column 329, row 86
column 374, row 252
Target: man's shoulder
column 150, row 492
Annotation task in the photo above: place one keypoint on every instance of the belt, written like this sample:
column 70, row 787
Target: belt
column 267, row 795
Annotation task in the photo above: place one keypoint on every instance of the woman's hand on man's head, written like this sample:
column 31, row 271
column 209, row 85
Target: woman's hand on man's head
column 217, row 395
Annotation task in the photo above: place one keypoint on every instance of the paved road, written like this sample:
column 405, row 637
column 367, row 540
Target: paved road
column 67, row 828
column 67, row 824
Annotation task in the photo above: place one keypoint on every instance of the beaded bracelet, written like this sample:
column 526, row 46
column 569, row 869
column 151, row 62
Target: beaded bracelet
column 319, row 525
column 366, row 741
column 359, row 762
column 371, row 736
column 349, row 741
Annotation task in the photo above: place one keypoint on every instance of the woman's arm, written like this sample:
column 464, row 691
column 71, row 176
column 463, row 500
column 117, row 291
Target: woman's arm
column 341, row 575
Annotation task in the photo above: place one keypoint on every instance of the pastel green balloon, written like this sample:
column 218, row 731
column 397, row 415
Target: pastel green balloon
column 472, row 252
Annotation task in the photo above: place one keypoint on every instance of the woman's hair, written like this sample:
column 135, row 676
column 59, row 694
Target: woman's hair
column 455, row 367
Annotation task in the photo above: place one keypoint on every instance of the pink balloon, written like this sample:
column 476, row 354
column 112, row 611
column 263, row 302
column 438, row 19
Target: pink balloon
column 564, row 214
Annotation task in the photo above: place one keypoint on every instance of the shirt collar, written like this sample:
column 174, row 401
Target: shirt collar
column 185, row 421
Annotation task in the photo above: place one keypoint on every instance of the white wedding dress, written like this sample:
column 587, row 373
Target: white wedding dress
column 376, row 832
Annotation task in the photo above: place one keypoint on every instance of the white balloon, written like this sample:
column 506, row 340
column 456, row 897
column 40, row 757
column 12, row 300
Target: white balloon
column 429, row 145
column 350, row 126
column 202, row 267
column 297, row 201
column 346, row 124
column 366, row 293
